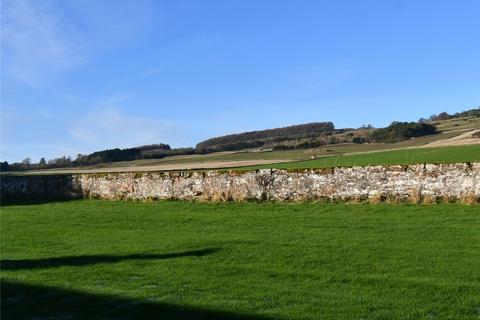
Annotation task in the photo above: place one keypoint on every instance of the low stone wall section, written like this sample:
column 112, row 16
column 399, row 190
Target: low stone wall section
column 459, row 182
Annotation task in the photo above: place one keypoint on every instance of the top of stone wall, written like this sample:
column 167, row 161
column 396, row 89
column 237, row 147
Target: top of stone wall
column 325, row 170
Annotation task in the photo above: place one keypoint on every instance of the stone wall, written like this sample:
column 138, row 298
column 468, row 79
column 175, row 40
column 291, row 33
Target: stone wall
column 412, row 183
column 40, row 187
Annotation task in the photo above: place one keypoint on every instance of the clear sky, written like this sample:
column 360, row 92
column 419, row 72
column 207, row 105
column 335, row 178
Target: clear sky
column 85, row 75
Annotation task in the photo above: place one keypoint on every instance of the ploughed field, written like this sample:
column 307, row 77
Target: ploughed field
column 179, row 260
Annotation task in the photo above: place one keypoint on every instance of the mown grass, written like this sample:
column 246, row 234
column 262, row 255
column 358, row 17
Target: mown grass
column 178, row 260
column 470, row 153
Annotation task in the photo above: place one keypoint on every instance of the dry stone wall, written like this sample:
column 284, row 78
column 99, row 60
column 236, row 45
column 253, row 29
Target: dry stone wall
column 412, row 183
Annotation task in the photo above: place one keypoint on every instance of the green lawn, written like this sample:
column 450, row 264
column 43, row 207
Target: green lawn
column 405, row 156
column 180, row 260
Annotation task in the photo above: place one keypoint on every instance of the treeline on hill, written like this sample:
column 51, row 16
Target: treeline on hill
column 153, row 151
column 255, row 139
column 360, row 135
column 399, row 131
column 475, row 112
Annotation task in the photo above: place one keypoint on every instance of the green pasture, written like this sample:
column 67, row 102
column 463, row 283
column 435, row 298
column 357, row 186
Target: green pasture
column 469, row 153
column 339, row 150
column 93, row 259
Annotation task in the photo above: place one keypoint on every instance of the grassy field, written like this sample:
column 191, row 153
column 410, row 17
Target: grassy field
column 447, row 129
column 341, row 154
column 300, row 154
column 178, row 260
column 403, row 156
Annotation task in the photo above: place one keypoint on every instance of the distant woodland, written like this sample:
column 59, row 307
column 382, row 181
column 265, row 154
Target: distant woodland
column 153, row 151
column 399, row 131
column 255, row 139
column 301, row 136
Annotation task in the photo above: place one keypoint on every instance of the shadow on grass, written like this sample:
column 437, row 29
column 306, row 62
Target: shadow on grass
column 94, row 259
column 6, row 202
column 27, row 301
column 35, row 189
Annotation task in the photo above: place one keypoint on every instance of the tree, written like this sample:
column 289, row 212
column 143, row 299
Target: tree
column 42, row 163
column 4, row 166
column 26, row 163
column 358, row 140
column 398, row 131
column 366, row 126
column 443, row 116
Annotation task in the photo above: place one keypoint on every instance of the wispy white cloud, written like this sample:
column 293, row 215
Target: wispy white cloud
column 45, row 39
column 40, row 133
column 111, row 127
column 36, row 132
column 38, row 41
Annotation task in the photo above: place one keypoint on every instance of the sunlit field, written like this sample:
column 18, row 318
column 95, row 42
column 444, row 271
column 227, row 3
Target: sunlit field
column 404, row 156
column 179, row 260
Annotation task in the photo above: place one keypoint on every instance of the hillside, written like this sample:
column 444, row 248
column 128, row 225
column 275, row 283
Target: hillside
column 263, row 138
column 314, row 135
column 293, row 143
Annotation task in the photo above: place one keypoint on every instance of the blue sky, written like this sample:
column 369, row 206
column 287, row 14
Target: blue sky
column 85, row 75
